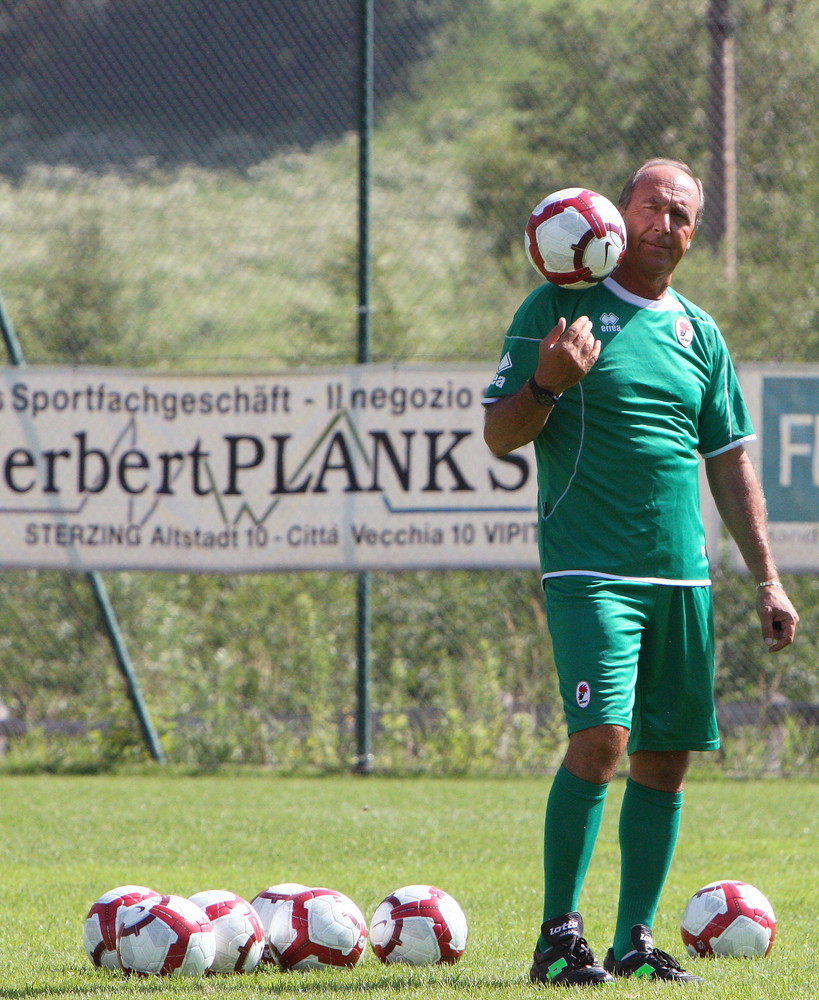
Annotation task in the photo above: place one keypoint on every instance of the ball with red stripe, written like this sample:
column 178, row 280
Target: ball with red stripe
column 237, row 928
column 265, row 903
column 99, row 933
column 728, row 918
column 575, row 237
column 419, row 925
column 165, row 936
column 317, row 928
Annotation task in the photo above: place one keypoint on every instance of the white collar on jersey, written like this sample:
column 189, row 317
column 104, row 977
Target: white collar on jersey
column 668, row 303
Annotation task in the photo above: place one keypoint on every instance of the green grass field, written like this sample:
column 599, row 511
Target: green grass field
column 67, row 840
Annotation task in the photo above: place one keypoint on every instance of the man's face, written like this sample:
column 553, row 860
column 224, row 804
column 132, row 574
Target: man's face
column 661, row 219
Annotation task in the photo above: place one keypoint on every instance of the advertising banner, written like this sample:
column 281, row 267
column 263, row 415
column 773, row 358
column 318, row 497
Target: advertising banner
column 367, row 467
column 784, row 405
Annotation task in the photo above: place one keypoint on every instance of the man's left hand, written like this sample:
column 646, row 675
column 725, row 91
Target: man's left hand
column 778, row 617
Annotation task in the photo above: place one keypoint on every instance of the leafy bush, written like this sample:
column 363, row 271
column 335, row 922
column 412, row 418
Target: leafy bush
column 575, row 119
column 262, row 670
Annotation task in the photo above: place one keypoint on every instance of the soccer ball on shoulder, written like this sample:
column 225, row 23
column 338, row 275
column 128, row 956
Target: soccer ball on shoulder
column 575, row 238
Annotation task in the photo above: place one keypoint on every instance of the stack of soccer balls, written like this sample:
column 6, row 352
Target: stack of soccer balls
column 288, row 925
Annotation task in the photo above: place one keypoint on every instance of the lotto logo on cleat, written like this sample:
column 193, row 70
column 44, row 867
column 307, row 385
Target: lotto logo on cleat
column 645, row 939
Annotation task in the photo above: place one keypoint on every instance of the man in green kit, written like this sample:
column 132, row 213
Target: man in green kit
column 622, row 387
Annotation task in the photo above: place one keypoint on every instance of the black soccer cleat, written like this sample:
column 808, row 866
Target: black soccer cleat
column 647, row 962
column 568, row 959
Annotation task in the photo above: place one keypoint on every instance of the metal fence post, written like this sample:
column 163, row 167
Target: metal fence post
column 99, row 590
column 364, row 756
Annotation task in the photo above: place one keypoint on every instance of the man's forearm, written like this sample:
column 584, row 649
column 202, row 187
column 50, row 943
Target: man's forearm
column 741, row 505
column 513, row 421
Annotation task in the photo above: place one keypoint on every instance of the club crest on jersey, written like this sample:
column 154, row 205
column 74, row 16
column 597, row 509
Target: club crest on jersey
column 582, row 694
column 505, row 365
column 684, row 331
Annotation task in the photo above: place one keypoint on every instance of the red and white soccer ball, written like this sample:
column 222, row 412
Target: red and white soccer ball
column 237, row 928
column 165, row 936
column 728, row 918
column 316, row 928
column 265, row 903
column 99, row 933
column 419, row 925
column 575, row 237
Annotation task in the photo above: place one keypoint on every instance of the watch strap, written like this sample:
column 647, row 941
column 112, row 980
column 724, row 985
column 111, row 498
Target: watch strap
column 543, row 397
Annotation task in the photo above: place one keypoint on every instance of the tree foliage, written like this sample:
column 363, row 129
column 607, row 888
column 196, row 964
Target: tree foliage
column 590, row 107
column 607, row 93
column 182, row 72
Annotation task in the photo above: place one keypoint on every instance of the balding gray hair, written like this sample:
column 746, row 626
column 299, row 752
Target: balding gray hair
column 660, row 161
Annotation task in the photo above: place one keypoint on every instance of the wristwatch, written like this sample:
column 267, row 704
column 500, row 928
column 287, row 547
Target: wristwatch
column 543, row 397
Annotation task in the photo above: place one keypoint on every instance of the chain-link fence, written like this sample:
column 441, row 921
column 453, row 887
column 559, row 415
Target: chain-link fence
column 180, row 190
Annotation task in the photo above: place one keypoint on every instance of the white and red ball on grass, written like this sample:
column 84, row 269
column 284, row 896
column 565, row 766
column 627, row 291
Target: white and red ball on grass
column 418, row 925
column 165, row 936
column 728, row 918
column 237, row 928
column 99, row 933
column 265, row 903
column 316, row 928
column 575, row 238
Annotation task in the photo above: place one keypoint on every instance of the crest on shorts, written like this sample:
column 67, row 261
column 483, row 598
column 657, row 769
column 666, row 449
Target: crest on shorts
column 684, row 331
column 582, row 694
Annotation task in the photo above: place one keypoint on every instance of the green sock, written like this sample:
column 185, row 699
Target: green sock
column 573, row 814
column 649, row 823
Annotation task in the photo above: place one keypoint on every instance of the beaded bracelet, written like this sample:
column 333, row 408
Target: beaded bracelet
column 769, row 583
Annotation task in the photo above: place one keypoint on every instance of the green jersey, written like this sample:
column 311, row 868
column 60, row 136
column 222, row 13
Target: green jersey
column 618, row 458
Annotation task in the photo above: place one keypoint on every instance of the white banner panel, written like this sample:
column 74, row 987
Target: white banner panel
column 369, row 467
column 784, row 404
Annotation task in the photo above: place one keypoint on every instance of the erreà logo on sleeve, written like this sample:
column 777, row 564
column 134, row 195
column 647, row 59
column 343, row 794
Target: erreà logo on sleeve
column 505, row 364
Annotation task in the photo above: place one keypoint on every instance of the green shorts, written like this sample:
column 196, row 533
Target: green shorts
column 639, row 655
